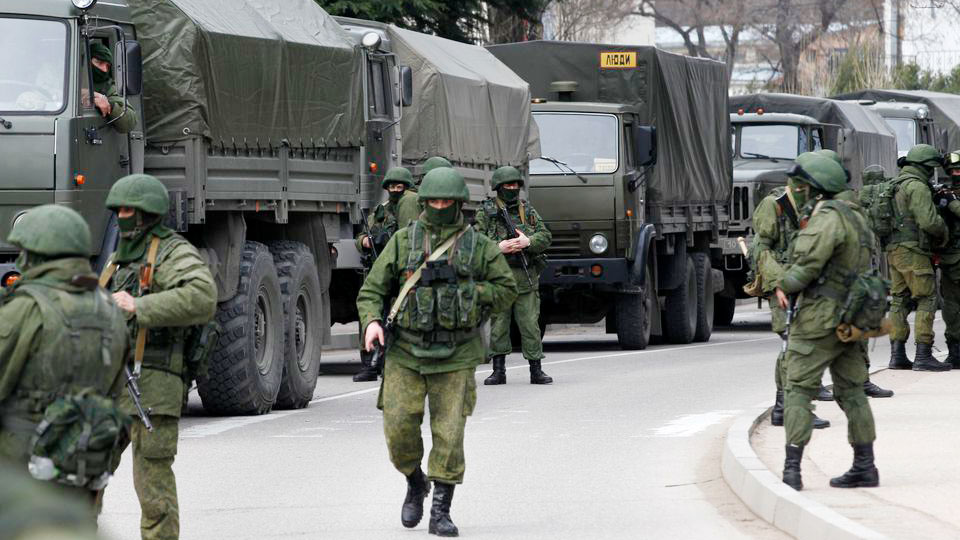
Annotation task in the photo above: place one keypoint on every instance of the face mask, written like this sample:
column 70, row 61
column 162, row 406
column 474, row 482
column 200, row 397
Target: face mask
column 799, row 193
column 127, row 226
column 100, row 77
column 509, row 195
column 442, row 216
column 395, row 196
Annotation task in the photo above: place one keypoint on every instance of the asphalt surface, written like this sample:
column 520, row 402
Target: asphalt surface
column 622, row 445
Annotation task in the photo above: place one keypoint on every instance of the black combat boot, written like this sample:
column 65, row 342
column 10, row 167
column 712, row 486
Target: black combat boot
column 863, row 473
column 440, row 523
column 824, row 394
column 776, row 415
column 872, row 390
column 368, row 371
column 417, row 489
column 499, row 375
column 819, row 423
column 537, row 376
column 898, row 355
column 924, row 361
column 953, row 358
column 791, row 467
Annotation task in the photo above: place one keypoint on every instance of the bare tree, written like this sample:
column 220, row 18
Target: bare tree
column 586, row 20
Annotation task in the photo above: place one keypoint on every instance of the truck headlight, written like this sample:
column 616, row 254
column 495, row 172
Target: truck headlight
column 84, row 4
column 923, row 112
column 17, row 219
column 598, row 244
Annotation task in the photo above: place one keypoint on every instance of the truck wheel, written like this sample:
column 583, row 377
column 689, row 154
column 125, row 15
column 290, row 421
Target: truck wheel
column 633, row 316
column 245, row 369
column 303, row 330
column 705, row 307
column 724, row 307
column 681, row 308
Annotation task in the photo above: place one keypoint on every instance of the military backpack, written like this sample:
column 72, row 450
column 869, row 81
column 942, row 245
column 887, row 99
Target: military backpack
column 878, row 205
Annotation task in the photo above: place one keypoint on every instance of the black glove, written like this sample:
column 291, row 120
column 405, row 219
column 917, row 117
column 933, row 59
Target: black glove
column 943, row 198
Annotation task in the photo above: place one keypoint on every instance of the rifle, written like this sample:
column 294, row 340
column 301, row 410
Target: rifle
column 134, row 390
column 786, row 333
column 512, row 229
column 367, row 258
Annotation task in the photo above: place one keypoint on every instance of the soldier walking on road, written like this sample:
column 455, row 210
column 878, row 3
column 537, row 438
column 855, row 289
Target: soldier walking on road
column 529, row 240
column 382, row 224
column 62, row 341
column 158, row 278
column 947, row 201
column 449, row 278
column 918, row 229
column 833, row 248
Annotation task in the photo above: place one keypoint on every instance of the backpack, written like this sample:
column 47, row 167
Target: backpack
column 878, row 205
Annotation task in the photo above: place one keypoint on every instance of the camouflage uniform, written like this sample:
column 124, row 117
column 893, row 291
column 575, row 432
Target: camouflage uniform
column 122, row 115
column 182, row 294
column 32, row 511
column 526, row 309
column 825, row 253
column 55, row 298
column 949, row 207
column 410, row 208
column 436, row 344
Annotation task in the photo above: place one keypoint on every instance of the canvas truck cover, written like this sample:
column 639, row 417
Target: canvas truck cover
column 684, row 97
column 944, row 108
column 468, row 106
column 248, row 70
column 872, row 141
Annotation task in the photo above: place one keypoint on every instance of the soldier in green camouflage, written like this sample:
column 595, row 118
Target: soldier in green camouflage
column 825, row 253
column 918, row 229
column 59, row 334
column 947, row 201
column 382, row 224
column 532, row 238
column 176, row 293
column 435, row 344
column 118, row 113
column 410, row 208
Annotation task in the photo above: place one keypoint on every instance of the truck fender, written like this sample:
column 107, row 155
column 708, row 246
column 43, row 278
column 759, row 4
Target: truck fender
column 641, row 253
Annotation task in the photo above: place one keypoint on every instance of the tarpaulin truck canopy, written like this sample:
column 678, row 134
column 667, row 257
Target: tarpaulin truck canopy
column 684, row 97
column 870, row 140
column 248, row 71
column 468, row 106
column 944, row 108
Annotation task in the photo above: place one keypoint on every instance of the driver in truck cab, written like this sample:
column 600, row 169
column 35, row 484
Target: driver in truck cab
column 106, row 98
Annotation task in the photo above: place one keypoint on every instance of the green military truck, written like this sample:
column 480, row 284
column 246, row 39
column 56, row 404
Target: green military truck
column 261, row 122
column 633, row 179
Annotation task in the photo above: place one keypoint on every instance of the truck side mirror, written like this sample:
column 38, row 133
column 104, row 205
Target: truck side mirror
column 130, row 71
column 406, row 87
column 645, row 138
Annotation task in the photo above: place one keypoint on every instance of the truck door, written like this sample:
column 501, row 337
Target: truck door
column 630, row 205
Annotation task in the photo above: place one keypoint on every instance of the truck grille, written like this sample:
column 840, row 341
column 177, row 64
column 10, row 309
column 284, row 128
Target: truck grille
column 742, row 206
column 565, row 244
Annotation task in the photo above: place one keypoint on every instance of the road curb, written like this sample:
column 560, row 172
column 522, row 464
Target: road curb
column 772, row 500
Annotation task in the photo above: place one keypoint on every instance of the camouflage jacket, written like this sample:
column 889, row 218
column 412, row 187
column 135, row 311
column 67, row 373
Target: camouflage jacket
column 385, row 220
column 409, row 208
column 123, row 116
column 774, row 232
column 915, row 215
column 526, row 218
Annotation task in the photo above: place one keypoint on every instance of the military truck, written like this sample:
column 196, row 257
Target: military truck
column 633, row 179
column 258, row 121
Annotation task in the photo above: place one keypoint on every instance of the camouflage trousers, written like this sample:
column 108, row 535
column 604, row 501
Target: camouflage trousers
column 806, row 360
column 950, row 291
column 153, row 479
column 913, row 286
column 451, row 397
column 526, row 311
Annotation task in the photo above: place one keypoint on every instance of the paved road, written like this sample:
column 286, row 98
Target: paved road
column 623, row 445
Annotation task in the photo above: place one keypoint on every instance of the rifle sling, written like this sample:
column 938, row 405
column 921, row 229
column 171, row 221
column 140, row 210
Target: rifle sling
column 411, row 281
column 146, row 281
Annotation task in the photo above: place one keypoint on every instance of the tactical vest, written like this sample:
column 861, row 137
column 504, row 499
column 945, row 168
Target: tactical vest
column 496, row 229
column 80, row 345
column 905, row 228
column 384, row 224
column 443, row 307
column 164, row 349
column 835, row 279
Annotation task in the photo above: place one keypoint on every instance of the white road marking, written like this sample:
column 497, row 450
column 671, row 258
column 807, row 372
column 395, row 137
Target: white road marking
column 689, row 425
column 217, row 427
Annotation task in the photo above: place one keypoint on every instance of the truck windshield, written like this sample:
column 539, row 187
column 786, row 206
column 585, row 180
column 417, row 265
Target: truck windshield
column 33, row 65
column 585, row 143
column 906, row 131
column 771, row 141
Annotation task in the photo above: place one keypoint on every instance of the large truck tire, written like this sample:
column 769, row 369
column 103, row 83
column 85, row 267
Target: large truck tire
column 705, row 306
column 681, row 307
column 723, row 309
column 633, row 316
column 302, row 302
column 247, row 366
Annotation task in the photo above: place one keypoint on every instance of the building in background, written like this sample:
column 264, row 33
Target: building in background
column 924, row 32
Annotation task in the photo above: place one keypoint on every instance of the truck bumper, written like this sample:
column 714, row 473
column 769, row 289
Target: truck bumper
column 585, row 272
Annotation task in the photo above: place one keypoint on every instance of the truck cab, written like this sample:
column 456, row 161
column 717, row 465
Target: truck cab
column 910, row 122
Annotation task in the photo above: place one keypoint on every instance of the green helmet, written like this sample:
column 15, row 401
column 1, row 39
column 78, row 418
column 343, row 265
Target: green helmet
column 397, row 175
column 444, row 183
column 821, row 172
column 874, row 174
column 505, row 175
column 825, row 152
column 951, row 160
column 140, row 191
column 434, row 163
column 101, row 52
column 51, row 230
column 924, row 154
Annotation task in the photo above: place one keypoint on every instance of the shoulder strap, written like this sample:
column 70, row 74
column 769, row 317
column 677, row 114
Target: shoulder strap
column 415, row 277
column 47, row 308
column 146, row 279
column 108, row 271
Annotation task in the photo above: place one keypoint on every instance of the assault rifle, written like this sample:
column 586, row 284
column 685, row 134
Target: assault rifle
column 791, row 301
column 512, row 230
column 134, row 390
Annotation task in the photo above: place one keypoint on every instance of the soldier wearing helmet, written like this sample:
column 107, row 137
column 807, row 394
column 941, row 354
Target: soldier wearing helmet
column 450, row 277
column 410, row 208
column 383, row 223
column 825, row 253
column 54, row 322
column 946, row 200
column 158, row 278
column 531, row 238
column 919, row 229
column 107, row 100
